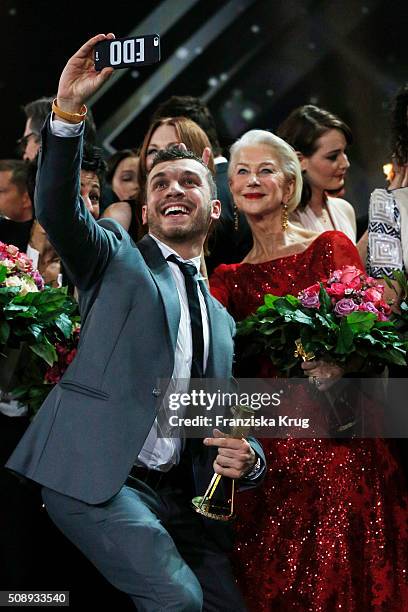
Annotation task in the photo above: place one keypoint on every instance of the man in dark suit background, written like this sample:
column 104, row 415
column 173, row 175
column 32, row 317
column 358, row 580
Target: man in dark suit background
column 110, row 483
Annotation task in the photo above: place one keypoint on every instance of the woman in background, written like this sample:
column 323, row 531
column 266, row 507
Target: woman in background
column 170, row 131
column 122, row 175
column 320, row 140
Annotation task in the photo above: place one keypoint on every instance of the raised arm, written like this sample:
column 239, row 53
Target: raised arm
column 84, row 246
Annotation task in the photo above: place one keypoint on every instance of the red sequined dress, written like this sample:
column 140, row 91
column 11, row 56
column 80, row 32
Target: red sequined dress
column 328, row 529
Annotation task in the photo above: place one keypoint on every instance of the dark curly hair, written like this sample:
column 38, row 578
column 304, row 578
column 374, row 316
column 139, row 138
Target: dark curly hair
column 174, row 153
column 399, row 126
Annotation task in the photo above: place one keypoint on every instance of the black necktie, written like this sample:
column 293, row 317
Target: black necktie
column 190, row 272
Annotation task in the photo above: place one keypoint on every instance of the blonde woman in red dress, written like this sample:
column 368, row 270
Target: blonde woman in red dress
column 328, row 530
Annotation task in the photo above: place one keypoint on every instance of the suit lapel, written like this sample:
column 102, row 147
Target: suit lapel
column 163, row 278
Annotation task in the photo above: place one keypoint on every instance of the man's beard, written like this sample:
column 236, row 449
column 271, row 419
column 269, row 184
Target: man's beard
column 198, row 228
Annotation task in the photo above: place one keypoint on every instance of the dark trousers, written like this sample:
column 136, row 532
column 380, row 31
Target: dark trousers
column 148, row 542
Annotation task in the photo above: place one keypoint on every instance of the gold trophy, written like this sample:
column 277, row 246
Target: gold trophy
column 300, row 351
column 206, row 504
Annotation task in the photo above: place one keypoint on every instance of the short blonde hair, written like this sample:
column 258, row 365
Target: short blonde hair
column 286, row 154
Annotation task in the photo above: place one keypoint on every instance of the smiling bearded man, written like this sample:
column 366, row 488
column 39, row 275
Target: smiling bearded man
column 117, row 489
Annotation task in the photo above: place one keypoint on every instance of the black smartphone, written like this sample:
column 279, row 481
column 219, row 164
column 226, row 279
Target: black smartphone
column 126, row 52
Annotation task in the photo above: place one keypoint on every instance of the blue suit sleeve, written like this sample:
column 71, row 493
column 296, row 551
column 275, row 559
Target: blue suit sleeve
column 84, row 246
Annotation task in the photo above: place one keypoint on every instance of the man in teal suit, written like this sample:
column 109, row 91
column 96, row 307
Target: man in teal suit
column 110, row 483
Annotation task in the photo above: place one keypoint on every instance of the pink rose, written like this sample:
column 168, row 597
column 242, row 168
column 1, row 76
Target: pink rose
column 373, row 294
column 23, row 263
column 335, row 277
column 12, row 250
column 336, row 290
column 384, row 307
column 350, row 274
column 368, row 307
column 38, row 279
column 345, row 307
column 309, row 297
column 309, row 300
column 313, row 289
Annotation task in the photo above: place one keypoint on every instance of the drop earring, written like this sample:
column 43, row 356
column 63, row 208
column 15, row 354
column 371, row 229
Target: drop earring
column 284, row 217
column 236, row 217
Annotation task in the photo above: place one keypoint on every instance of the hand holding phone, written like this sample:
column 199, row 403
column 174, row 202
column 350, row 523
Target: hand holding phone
column 126, row 52
column 79, row 79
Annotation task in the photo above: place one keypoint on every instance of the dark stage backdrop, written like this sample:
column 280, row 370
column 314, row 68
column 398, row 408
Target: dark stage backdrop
column 252, row 61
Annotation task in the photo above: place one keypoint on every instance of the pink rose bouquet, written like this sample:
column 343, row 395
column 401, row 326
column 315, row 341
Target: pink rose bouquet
column 343, row 316
column 36, row 321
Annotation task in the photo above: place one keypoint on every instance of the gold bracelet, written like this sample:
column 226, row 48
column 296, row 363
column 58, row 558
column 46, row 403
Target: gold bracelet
column 71, row 117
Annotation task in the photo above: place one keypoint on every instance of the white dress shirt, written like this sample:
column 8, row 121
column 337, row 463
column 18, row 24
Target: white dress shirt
column 158, row 452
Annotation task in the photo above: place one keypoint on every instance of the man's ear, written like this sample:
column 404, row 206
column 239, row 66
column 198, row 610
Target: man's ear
column 206, row 155
column 144, row 214
column 26, row 200
column 215, row 209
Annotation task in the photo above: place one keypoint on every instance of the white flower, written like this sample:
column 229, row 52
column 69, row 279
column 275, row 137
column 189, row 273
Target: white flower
column 13, row 281
column 26, row 286
column 8, row 263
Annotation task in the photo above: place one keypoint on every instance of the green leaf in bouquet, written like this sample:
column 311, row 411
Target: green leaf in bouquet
column 4, row 332
column 245, row 327
column 63, row 322
column 391, row 355
column 300, row 317
column 20, row 391
column 291, row 299
column 3, row 273
column 36, row 330
column 327, row 320
column 283, row 307
column 372, row 340
column 13, row 310
column 269, row 301
column 384, row 324
column 261, row 310
column 345, row 338
column 8, row 293
column 361, row 321
column 401, row 279
column 388, row 282
column 45, row 350
column 325, row 302
column 26, row 299
column 49, row 303
column 267, row 330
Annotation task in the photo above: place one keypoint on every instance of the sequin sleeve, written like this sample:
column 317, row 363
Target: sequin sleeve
column 336, row 251
column 219, row 284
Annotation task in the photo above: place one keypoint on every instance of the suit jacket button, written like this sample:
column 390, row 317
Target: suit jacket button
column 156, row 392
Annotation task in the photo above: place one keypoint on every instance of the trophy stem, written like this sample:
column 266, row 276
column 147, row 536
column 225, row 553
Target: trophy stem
column 211, row 488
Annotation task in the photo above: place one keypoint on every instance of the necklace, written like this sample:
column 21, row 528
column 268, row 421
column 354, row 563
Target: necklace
column 325, row 218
